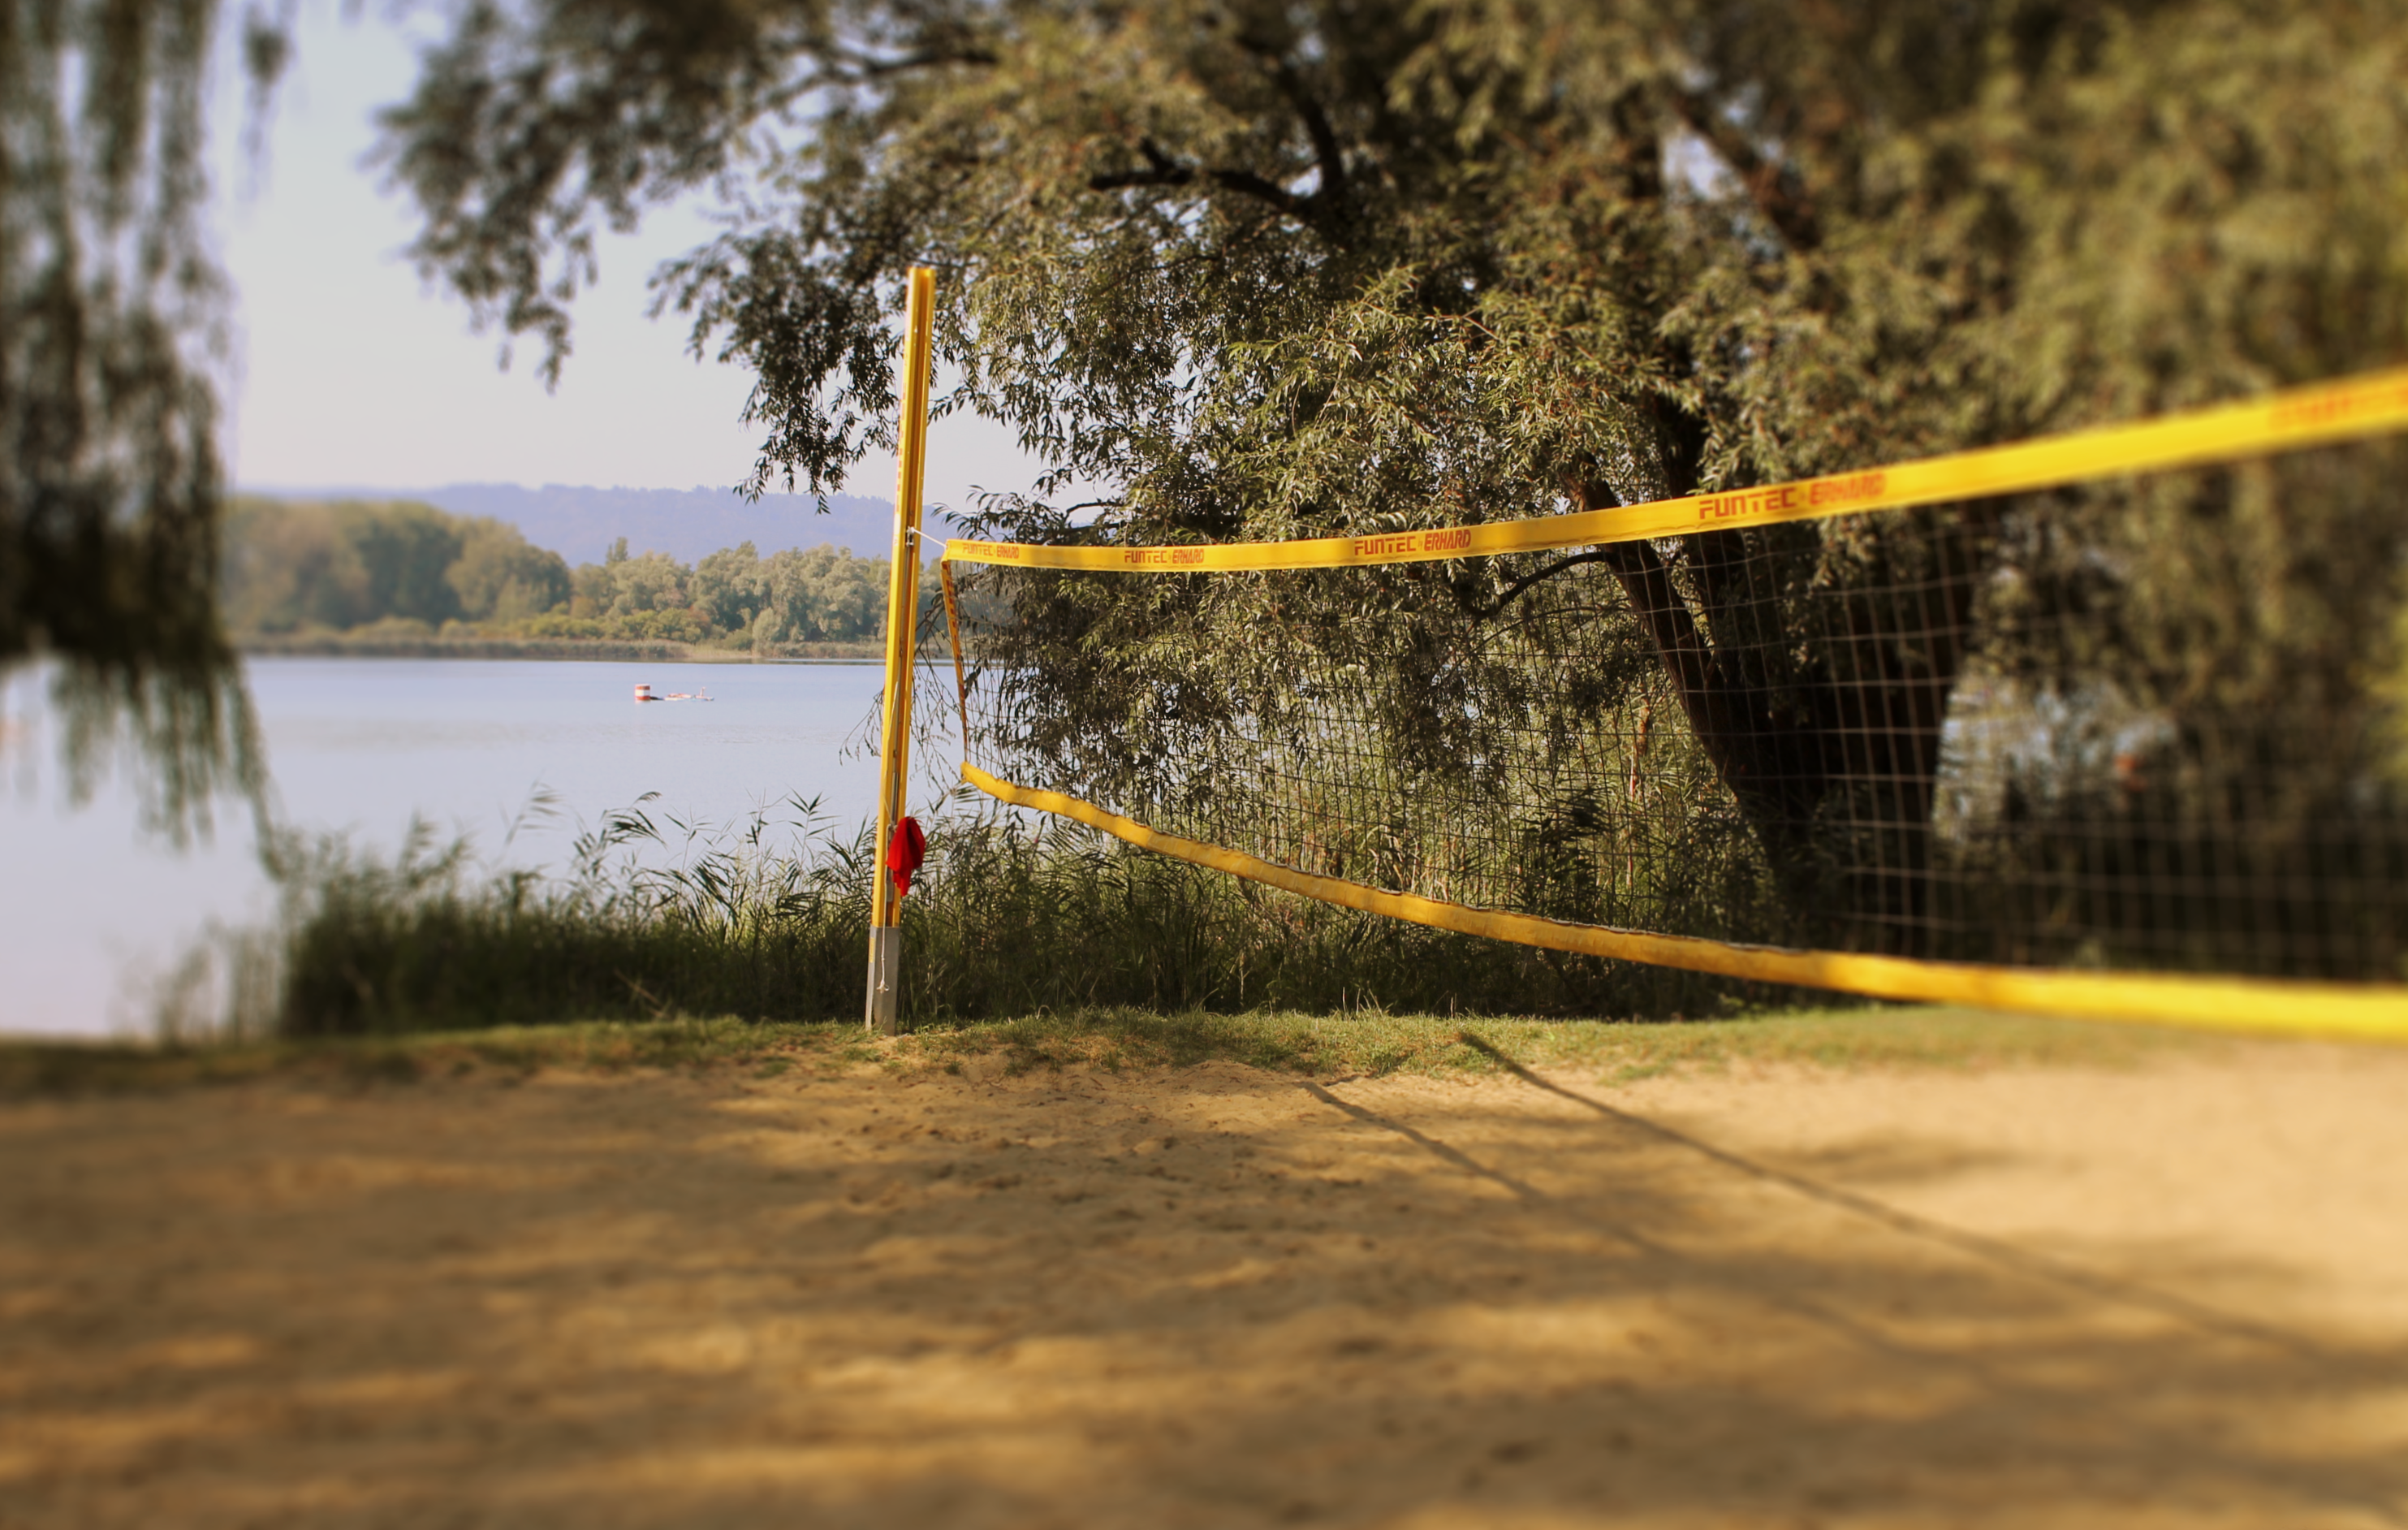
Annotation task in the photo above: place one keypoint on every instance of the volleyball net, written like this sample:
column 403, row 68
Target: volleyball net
column 2099, row 724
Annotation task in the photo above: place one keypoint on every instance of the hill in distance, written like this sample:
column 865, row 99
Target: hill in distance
column 581, row 523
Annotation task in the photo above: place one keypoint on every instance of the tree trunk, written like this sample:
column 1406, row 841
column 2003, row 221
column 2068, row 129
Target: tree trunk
column 1834, row 759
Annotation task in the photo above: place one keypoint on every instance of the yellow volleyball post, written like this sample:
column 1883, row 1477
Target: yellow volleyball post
column 902, row 629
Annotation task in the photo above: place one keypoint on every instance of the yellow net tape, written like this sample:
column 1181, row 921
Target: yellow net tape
column 2264, row 1005
column 2351, row 409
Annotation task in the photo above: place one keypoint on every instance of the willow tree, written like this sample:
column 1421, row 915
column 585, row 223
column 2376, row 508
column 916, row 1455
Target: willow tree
column 1274, row 269
column 110, row 312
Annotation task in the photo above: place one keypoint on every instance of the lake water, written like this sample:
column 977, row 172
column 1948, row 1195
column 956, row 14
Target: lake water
column 95, row 914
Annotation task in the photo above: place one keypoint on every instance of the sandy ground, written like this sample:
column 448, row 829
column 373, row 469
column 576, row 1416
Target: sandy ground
column 2174, row 1294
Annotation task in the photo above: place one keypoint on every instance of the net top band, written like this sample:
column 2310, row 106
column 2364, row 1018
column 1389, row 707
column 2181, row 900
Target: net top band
column 2372, row 404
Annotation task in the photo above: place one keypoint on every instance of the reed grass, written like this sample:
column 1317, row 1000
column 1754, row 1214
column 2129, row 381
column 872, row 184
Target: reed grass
column 767, row 919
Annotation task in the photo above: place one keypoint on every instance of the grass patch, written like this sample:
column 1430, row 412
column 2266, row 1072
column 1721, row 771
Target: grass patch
column 1370, row 1044
column 28, row 1069
column 1363, row 1043
column 1853, row 1037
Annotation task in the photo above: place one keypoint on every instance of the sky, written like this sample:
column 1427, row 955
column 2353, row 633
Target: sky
column 354, row 374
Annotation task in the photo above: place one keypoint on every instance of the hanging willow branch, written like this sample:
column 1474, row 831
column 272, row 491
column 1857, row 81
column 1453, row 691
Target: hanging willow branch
column 110, row 344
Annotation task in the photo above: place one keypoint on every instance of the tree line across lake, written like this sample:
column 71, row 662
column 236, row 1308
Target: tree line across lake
column 401, row 571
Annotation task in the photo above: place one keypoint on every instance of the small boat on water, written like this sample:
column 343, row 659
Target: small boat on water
column 644, row 693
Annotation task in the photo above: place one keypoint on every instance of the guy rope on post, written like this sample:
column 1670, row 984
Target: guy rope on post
column 898, row 843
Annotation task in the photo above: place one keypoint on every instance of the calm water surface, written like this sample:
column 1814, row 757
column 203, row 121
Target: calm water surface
column 95, row 914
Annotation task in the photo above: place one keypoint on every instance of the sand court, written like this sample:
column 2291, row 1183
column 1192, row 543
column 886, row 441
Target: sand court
column 2169, row 1293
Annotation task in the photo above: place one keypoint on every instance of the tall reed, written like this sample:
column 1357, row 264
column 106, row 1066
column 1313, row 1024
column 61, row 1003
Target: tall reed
column 767, row 919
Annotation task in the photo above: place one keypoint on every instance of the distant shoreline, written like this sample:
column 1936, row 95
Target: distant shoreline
column 336, row 645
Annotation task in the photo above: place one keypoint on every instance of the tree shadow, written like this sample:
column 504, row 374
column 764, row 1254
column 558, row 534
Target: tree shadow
column 1204, row 1297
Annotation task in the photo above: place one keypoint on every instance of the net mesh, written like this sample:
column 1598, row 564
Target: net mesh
column 2136, row 726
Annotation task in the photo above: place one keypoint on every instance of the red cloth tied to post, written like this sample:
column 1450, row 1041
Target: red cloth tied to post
column 904, row 851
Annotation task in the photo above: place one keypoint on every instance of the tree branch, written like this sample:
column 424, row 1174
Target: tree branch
column 1162, row 170
column 1330, row 157
column 1776, row 772
column 875, row 68
column 1765, row 180
column 1514, row 591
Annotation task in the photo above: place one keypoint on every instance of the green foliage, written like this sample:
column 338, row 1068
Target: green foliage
column 406, row 549
column 499, row 577
column 738, row 599
column 349, row 566
column 1271, row 271
column 286, row 566
column 822, row 594
column 651, row 582
column 1265, row 269
column 292, row 564
column 111, row 331
column 819, row 596
column 350, row 563
column 727, row 586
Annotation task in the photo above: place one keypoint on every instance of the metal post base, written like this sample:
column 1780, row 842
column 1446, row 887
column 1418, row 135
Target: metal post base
column 885, row 978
